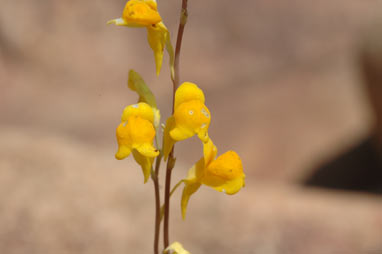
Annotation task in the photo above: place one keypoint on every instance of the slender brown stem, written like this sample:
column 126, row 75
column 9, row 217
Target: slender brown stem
column 182, row 23
column 169, row 168
column 171, row 158
column 157, row 203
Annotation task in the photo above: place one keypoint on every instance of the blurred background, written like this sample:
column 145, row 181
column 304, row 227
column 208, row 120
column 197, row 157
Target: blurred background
column 284, row 89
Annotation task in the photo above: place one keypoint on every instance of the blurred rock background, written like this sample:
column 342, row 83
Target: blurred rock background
column 284, row 90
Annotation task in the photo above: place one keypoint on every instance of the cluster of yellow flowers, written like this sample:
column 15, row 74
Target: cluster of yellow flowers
column 140, row 123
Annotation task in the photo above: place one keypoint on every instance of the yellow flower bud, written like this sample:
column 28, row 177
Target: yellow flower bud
column 175, row 248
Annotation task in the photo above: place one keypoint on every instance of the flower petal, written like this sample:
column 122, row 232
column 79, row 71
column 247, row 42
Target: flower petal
column 147, row 150
column 179, row 134
column 192, row 184
column 156, row 117
column 188, row 92
column 195, row 173
column 141, row 131
column 123, row 152
column 225, row 173
column 232, row 186
column 118, row 22
column 168, row 141
column 191, row 117
column 158, row 36
column 141, row 109
column 210, row 151
column 145, row 164
column 124, row 141
column 188, row 190
column 203, row 134
column 141, row 12
column 175, row 248
column 227, row 166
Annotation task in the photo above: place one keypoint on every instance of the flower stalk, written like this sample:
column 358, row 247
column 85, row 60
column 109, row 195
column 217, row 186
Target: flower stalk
column 179, row 39
column 154, row 177
column 171, row 159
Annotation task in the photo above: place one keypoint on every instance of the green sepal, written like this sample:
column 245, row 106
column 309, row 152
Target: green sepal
column 137, row 84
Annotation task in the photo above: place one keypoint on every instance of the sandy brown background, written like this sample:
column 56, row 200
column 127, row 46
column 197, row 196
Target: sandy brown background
column 282, row 84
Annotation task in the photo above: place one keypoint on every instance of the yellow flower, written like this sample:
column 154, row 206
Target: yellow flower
column 190, row 117
column 138, row 13
column 175, row 248
column 144, row 13
column 224, row 174
column 135, row 135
